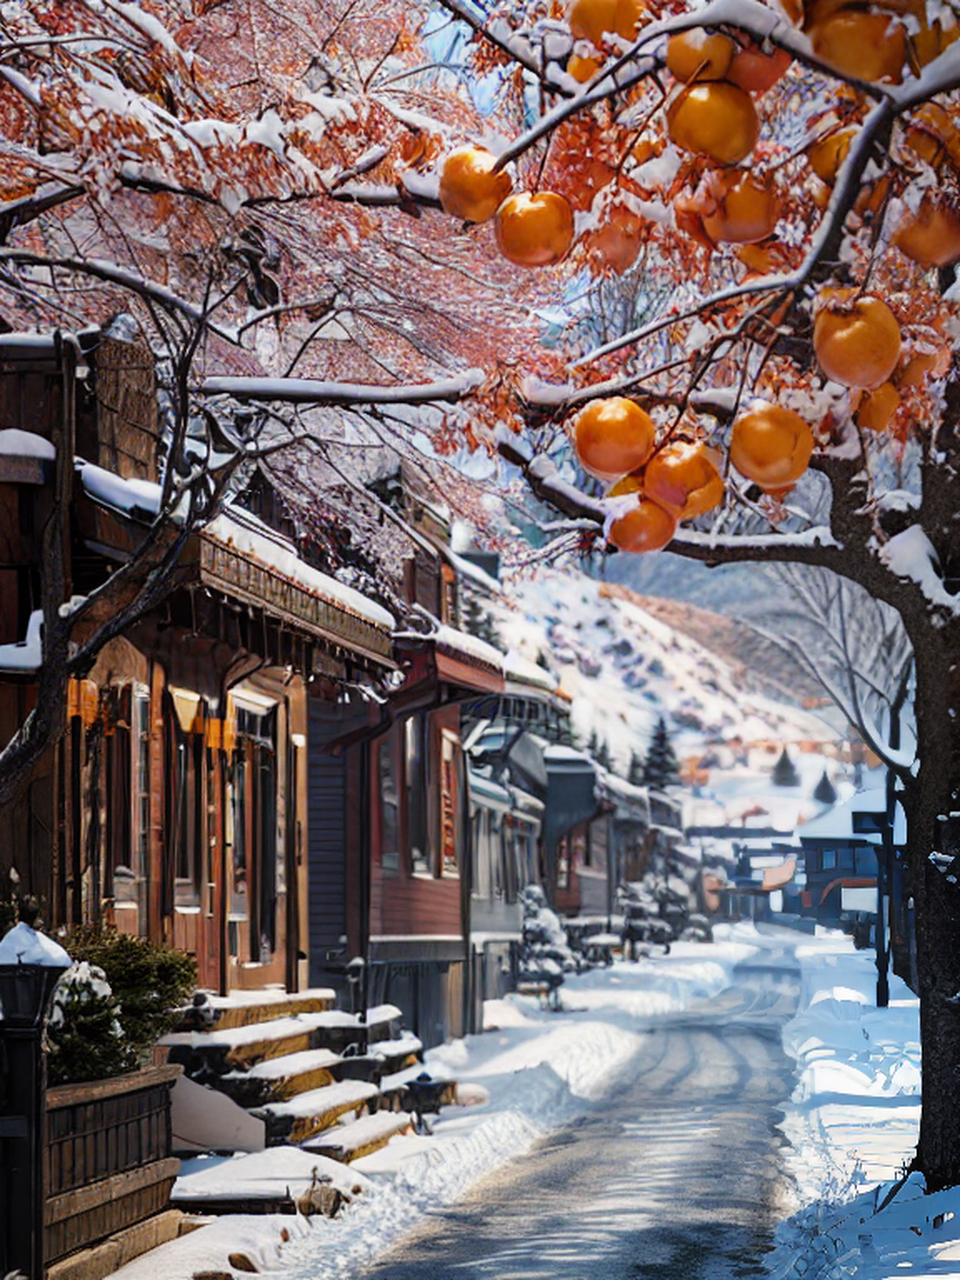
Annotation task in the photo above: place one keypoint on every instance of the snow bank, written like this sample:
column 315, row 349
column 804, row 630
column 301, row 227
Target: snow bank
column 855, row 1110
column 262, row 1240
column 852, row 1123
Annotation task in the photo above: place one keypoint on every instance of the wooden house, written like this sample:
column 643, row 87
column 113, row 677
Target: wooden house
column 175, row 803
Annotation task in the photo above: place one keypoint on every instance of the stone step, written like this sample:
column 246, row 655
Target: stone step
column 242, row 1008
column 278, row 1079
column 206, row 1055
column 307, row 1114
column 349, row 1142
column 272, row 1181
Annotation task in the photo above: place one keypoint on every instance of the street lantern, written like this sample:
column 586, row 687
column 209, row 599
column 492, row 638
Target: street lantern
column 31, row 964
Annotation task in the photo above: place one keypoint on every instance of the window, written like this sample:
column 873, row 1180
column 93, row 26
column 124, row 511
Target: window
column 449, row 802
column 828, row 860
column 128, row 809
column 252, row 834
column 389, row 808
column 481, row 847
column 563, row 864
column 415, row 778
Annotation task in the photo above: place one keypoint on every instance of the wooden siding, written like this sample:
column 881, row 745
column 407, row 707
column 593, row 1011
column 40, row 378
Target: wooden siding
column 327, row 828
column 107, row 1161
column 419, row 905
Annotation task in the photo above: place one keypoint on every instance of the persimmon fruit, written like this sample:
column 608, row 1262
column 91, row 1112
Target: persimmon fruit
column 875, row 411
column 827, row 154
column 534, row 230
column 647, row 527
column 864, row 43
column 683, row 477
column 582, row 69
column 470, row 187
column 613, row 436
column 771, row 445
column 593, row 19
column 856, row 338
column 714, row 119
column 755, row 70
column 931, row 236
column 746, row 209
column 699, row 55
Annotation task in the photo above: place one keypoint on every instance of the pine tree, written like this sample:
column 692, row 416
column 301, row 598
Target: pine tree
column 785, row 772
column 661, row 768
column 825, row 792
column 602, row 755
column 635, row 771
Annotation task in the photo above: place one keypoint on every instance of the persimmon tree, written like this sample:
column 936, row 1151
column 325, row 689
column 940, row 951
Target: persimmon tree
column 281, row 196
column 784, row 182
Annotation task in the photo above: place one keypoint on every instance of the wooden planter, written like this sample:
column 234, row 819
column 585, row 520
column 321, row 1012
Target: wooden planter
column 107, row 1162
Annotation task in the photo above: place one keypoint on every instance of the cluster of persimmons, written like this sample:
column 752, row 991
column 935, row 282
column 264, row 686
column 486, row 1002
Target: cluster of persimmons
column 711, row 114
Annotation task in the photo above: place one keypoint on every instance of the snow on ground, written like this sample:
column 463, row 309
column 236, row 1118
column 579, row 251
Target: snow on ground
column 851, row 1121
column 530, row 1072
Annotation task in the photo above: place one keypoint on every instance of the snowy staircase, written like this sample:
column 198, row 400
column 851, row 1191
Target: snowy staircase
column 316, row 1076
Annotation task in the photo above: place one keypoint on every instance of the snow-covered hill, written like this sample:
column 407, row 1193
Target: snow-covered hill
column 622, row 668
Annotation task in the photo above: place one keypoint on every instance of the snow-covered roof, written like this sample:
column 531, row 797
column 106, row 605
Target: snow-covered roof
column 20, row 345
column 837, row 822
column 490, row 790
column 462, row 644
column 131, row 497
column 622, row 788
column 557, row 753
column 467, row 569
column 520, row 670
column 237, row 529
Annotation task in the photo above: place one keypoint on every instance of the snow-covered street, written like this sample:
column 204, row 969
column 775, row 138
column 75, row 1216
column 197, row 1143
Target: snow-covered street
column 678, row 1039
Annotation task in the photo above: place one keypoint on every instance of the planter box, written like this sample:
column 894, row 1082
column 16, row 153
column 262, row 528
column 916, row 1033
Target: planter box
column 107, row 1162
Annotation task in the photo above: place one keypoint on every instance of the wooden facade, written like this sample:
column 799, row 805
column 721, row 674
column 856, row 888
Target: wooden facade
column 175, row 803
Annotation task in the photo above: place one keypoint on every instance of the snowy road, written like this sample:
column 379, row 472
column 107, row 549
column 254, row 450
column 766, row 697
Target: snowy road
column 674, row 1174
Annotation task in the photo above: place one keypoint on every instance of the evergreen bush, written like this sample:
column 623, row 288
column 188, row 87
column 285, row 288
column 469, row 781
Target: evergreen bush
column 84, row 1036
column 150, row 982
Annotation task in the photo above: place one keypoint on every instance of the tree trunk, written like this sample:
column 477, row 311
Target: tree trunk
column 934, row 859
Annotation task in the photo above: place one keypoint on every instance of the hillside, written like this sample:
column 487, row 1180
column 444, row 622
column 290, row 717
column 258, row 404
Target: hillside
column 757, row 664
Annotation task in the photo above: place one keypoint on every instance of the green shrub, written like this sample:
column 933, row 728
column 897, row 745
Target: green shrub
column 150, row 981
column 84, row 1037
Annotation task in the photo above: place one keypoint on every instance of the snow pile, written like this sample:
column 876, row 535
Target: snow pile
column 852, row 1123
column 856, row 1107
column 261, row 1241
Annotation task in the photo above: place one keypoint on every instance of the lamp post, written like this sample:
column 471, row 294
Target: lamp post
column 30, row 967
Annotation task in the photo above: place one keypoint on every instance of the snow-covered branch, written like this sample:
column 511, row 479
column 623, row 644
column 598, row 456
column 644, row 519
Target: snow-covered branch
column 123, row 278
column 311, row 391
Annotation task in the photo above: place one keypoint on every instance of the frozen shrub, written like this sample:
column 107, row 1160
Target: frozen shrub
column 85, row 1038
